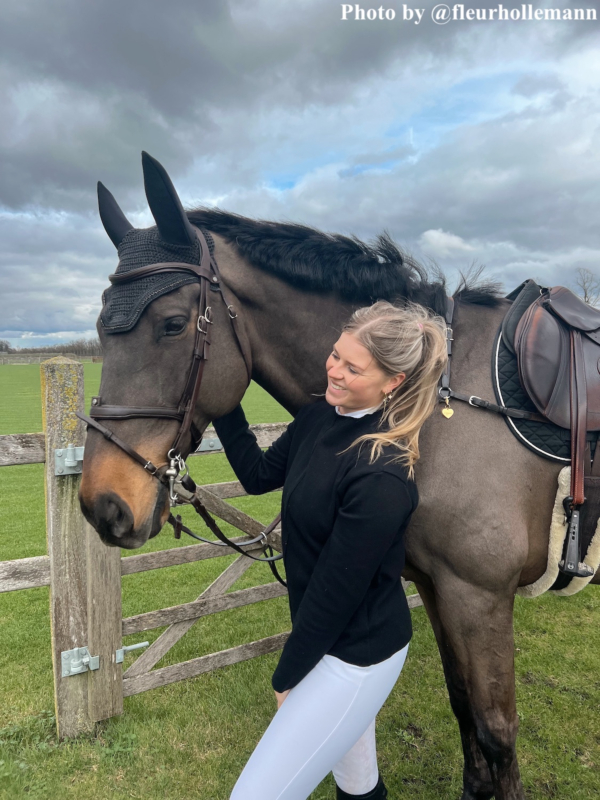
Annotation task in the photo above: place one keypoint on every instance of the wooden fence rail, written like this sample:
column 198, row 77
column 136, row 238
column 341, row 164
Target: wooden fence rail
column 85, row 576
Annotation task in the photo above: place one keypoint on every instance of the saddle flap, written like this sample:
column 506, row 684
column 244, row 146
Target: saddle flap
column 572, row 310
column 542, row 344
column 522, row 297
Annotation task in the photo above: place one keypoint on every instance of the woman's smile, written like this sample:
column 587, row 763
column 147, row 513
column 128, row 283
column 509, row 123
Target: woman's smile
column 335, row 388
column 354, row 380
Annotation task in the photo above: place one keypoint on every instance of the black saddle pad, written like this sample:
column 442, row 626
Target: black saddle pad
column 545, row 439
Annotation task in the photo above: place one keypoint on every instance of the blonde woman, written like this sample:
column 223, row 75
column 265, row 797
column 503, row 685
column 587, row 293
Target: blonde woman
column 346, row 464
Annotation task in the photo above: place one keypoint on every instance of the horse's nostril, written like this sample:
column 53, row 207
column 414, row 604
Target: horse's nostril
column 111, row 516
column 114, row 516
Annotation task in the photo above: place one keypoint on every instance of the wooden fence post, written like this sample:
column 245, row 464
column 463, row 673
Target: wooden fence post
column 82, row 575
column 105, row 621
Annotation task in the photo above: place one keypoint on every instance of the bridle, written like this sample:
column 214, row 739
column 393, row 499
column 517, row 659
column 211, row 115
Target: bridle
column 177, row 476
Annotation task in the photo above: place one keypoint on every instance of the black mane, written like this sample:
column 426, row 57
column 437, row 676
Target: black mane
column 357, row 271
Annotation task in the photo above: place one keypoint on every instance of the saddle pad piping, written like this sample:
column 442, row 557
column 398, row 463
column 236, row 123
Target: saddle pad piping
column 499, row 396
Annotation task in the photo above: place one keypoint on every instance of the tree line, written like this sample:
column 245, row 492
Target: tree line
column 78, row 347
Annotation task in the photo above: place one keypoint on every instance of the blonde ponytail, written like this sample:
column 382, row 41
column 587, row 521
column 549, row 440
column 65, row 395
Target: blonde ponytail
column 409, row 339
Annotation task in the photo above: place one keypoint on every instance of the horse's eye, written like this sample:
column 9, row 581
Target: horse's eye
column 175, row 325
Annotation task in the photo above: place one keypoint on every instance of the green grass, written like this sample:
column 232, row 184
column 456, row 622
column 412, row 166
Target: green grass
column 21, row 411
column 191, row 739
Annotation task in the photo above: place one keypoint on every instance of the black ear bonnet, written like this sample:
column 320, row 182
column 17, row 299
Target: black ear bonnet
column 173, row 239
column 123, row 304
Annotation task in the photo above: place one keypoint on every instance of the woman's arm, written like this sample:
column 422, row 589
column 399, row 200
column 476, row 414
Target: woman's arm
column 257, row 471
column 374, row 508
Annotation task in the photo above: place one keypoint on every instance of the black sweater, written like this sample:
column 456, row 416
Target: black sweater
column 343, row 521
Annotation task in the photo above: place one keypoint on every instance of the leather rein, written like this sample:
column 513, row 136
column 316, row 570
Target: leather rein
column 177, row 476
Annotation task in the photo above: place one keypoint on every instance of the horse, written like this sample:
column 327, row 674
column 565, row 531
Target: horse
column 482, row 526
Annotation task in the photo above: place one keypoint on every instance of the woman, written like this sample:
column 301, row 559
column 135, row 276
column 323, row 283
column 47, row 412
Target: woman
column 346, row 465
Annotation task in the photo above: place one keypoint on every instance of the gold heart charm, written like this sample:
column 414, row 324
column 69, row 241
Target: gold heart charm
column 447, row 412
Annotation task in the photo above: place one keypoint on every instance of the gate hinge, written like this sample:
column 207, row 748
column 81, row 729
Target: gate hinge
column 76, row 661
column 68, row 460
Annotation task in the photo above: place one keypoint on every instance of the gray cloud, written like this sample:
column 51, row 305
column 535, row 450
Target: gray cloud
column 87, row 86
column 480, row 133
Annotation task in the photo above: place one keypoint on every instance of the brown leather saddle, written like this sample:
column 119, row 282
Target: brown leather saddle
column 555, row 337
column 557, row 344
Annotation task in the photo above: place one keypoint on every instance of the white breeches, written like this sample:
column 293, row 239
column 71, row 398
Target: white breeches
column 326, row 723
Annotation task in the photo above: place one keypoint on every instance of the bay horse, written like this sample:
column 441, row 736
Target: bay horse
column 482, row 525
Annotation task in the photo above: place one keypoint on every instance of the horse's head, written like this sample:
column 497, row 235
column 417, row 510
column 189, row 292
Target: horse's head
column 148, row 328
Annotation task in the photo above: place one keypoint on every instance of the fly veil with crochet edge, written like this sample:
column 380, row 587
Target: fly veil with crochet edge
column 124, row 303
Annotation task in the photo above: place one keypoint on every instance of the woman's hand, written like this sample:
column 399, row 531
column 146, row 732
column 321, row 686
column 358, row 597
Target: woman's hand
column 281, row 697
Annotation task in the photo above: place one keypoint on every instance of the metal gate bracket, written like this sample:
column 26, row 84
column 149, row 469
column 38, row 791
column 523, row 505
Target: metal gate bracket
column 76, row 661
column 209, row 443
column 68, row 461
column 120, row 654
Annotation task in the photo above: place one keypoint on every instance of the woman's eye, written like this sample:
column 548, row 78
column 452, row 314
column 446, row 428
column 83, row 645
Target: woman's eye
column 335, row 355
column 353, row 371
column 175, row 326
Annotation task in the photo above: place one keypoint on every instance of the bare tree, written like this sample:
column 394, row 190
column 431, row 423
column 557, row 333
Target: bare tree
column 588, row 284
column 4, row 346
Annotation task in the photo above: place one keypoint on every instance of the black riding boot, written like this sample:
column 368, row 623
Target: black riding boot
column 378, row 793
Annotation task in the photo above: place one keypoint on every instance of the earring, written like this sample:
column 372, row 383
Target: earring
column 386, row 399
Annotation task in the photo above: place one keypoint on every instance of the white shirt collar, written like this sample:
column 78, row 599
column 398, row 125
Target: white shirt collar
column 360, row 413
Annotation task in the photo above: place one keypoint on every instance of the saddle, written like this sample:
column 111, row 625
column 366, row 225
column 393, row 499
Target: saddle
column 555, row 336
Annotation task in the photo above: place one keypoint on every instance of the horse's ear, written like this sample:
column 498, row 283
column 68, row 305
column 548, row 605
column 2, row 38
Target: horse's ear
column 114, row 220
column 165, row 205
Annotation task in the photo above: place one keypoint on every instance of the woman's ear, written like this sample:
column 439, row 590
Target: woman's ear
column 394, row 382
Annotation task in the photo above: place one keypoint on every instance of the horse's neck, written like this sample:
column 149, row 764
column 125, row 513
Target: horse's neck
column 291, row 336
column 291, row 332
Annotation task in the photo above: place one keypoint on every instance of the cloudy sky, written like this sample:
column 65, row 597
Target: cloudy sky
column 471, row 142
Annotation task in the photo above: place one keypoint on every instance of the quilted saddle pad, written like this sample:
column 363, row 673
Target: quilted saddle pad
column 545, row 439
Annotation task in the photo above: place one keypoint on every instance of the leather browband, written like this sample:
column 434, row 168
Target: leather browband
column 161, row 267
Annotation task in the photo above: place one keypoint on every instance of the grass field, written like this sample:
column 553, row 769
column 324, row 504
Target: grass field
column 191, row 739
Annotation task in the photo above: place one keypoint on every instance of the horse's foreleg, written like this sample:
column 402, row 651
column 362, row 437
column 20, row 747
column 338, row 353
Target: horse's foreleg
column 477, row 780
column 477, row 641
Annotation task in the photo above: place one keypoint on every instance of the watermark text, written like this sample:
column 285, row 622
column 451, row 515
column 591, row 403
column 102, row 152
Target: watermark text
column 443, row 13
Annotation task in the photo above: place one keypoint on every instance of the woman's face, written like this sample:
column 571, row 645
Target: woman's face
column 354, row 379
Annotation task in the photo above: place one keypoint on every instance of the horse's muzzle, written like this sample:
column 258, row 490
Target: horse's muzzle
column 113, row 519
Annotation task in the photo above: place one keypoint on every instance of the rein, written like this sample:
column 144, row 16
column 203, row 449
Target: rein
column 177, row 476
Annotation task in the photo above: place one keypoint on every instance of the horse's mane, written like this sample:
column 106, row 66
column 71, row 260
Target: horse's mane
column 357, row 271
